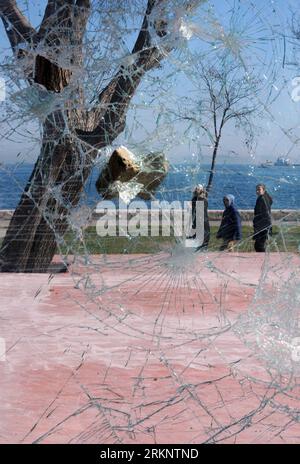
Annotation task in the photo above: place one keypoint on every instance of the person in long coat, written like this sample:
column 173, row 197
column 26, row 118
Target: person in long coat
column 200, row 194
column 230, row 229
column 262, row 222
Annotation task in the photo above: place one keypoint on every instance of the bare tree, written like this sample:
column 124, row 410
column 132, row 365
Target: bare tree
column 227, row 93
column 72, row 134
column 231, row 97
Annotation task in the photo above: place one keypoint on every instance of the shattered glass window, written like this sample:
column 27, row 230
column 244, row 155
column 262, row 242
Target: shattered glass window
column 149, row 221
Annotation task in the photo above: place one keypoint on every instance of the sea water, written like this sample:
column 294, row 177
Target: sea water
column 283, row 183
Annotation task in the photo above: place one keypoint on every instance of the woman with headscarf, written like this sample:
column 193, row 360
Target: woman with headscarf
column 200, row 194
column 230, row 229
column 262, row 222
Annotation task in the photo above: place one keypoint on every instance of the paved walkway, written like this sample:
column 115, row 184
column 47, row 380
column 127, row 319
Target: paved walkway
column 151, row 349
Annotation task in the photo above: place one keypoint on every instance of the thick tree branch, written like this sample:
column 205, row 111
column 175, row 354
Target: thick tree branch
column 115, row 98
column 65, row 15
column 61, row 33
column 17, row 27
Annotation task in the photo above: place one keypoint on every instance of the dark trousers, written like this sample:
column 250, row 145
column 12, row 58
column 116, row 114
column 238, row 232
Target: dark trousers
column 206, row 232
column 260, row 244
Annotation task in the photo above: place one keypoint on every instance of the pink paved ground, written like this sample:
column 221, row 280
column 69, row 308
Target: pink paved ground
column 142, row 350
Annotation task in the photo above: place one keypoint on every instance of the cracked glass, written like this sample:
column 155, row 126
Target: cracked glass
column 117, row 325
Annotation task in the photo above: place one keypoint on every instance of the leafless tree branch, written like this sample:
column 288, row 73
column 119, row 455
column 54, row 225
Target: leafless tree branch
column 17, row 26
column 108, row 118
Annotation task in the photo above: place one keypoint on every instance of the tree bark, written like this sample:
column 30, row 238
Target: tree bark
column 41, row 217
column 56, row 182
column 71, row 139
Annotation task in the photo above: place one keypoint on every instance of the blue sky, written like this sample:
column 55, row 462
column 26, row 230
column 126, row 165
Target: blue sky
column 258, row 24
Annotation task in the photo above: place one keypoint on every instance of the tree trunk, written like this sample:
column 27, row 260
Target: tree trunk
column 212, row 168
column 72, row 135
column 56, row 182
column 41, row 217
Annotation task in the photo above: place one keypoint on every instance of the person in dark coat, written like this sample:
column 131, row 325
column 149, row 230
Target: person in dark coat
column 200, row 194
column 230, row 229
column 262, row 222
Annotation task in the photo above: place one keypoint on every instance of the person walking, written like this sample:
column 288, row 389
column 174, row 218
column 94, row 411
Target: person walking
column 230, row 229
column 200, row 194
column 262, row 221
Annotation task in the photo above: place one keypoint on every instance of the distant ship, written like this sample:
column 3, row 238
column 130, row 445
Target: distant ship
column 282, row 162
column 266, row 164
